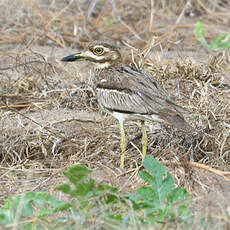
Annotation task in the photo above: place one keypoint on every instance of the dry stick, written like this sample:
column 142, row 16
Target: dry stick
column 131, row 30
column 193, row 164
column 204, row 7
column 15, row 106
column 58, row 14
column 128, row 181
column 98, row 19
column 91, row 8
column 60, row 43
column 202, row 166
column 151, row 16
column 81, row 15
column 210, row 169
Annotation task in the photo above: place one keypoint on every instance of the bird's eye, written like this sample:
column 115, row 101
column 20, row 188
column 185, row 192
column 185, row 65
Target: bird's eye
column 98, row 50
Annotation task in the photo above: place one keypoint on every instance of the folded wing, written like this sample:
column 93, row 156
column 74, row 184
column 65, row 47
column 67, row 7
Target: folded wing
column 128, row 90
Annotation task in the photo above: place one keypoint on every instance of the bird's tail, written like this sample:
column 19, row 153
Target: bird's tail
column 177, row 120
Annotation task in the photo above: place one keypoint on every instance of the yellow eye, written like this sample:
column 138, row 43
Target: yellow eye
column 98, row 50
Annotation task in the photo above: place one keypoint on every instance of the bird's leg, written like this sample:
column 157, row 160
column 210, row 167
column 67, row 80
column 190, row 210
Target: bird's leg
column 144, row 140
column 123, row 144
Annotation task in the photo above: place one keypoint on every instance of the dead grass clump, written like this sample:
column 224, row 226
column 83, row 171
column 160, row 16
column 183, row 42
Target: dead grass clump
column 204, row 90
column 72, row 23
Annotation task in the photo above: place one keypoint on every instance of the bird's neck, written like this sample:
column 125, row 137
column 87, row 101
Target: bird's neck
column 100, row 74
column 101, row 66
column 101, row 71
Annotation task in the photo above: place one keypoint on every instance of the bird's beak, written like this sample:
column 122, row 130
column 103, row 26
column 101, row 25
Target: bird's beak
column 74, row 57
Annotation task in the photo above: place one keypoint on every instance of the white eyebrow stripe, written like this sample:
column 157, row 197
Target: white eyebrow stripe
column 90, row 54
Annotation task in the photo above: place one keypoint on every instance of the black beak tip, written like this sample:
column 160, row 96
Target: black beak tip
column 69, row 58
column 72, row 57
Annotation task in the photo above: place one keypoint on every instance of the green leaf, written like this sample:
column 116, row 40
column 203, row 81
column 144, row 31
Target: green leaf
column 200, row 33
column 147, row 194
column 162, row 184
column 108, row 192
column 30, row 196
column 146, row 176
column 52, row 201
column 7, row 212
column 125, row 222
column 151, row 218
column 4, row 219
column 44, row 212
column 199, row 30
column 110, row 198
column 115, row 217
column 166, row 188
column 63, row 207
column 40, row 199
column 77, row 173
column 155, row 169
column 65, row 188
column 178, row 195
column 101, row 188
column 27, row 226
column 84, row 189
column 27, row 209
column 221, row 42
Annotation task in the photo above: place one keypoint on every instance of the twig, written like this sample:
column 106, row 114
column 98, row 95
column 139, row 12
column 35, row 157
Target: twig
column 151, row 16
column 131, row 30
column 15, row 106
column 193, row 164
column 210, row 169
column 60, row 43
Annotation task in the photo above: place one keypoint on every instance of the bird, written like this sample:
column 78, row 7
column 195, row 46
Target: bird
column 128, row 93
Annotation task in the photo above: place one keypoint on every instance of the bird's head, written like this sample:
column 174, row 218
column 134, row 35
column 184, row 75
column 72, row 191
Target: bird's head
column 101, row 54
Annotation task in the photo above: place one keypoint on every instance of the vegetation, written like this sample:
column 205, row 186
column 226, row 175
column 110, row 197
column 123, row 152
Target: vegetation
column 159, row 204
column 221, row 42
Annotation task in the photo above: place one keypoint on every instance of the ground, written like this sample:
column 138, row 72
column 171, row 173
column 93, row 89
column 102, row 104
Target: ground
column 49, row 118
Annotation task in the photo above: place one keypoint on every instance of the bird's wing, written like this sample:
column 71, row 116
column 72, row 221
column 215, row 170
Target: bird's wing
column 127, row 89
column 133, row 91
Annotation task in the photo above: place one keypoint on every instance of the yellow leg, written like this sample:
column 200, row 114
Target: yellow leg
column 144, row 140
column 123, row 144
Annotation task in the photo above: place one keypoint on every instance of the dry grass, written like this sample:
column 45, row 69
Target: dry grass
column 49, row 118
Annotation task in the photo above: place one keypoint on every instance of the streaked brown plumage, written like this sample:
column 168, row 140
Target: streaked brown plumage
column 128, row 93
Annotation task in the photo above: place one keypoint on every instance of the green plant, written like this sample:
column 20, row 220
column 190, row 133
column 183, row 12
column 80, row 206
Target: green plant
column 100, row 205
column 18, row 211
column 161, row 201
column 221, row 42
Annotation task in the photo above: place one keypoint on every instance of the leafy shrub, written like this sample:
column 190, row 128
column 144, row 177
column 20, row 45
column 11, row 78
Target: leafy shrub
column 101, row 206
